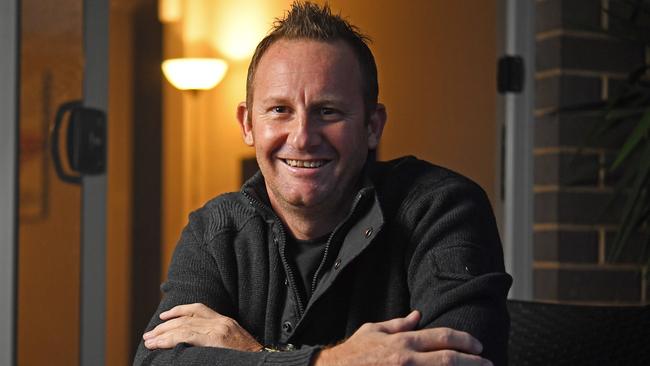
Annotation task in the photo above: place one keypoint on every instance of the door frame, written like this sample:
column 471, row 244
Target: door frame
column 9, row 71
column 92, row 335
column 516, row 36
column 93, row 235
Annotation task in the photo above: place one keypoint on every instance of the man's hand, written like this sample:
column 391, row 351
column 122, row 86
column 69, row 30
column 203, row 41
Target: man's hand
column 394, row 342
column 199, row 325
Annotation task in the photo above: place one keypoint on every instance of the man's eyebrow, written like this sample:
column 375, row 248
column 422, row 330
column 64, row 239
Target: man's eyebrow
column 329, row 100
column 325, row 100
column 274, row 99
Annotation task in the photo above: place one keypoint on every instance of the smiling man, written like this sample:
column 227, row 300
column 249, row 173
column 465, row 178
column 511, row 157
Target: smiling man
column 327, row 257
column 311, row 132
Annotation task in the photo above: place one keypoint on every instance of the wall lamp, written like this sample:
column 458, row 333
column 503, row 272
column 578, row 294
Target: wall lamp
column 194, row 73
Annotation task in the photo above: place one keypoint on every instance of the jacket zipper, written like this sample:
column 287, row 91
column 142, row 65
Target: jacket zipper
column 290, row 275
column 329, row 240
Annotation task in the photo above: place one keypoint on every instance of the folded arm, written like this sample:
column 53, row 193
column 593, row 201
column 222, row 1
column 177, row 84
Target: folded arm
column 196, row 322
column 455, row 277
column 456, row 274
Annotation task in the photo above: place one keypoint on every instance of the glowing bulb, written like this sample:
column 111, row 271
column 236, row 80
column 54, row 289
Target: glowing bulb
column 238, row 26
column 194, row 73
column 170, row 11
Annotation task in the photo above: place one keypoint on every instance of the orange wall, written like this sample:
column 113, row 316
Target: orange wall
column 436, row 64
column 49, row 225
column 51, row 71
column 119, row 185
column 208, row 117
column 437, row 77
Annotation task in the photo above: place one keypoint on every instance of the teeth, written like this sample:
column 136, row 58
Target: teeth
column 305, row 163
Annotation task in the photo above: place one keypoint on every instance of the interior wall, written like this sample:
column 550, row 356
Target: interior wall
column 436, row 61
column 51, row 58
column 147, row 165
column 437, row 78
column 119, row 190
column 51, row 73
column 204, row 123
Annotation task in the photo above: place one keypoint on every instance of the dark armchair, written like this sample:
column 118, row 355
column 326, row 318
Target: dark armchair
column 557, row 334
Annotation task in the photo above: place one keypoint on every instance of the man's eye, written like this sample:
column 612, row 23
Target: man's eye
column 280, row 109
column 329, row 112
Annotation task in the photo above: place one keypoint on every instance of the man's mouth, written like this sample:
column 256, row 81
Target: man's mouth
column 312, row 164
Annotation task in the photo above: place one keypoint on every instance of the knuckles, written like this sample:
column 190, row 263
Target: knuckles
column 217, row 337
column 199, row 325
column 227, row 326
column 368, row 327
column 229, row 323
column 196, row 307
column 445, row 336
column 448, row 358
column 403, row 341
column 400, row 359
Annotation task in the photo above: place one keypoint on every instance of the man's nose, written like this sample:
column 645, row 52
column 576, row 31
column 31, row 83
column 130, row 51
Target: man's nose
column 305, row 132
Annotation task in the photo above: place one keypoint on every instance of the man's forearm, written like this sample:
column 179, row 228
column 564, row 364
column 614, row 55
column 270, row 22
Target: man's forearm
column 396, row 342
column 184, row 354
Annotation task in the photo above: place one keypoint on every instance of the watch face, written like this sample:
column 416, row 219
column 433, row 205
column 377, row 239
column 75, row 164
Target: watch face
column 279, row 348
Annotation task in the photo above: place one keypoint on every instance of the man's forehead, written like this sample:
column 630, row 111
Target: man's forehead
column 325, row 98
column 331, row 63
column 308, row 49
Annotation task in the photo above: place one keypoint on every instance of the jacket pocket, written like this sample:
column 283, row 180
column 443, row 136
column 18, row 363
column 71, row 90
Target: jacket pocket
column 462, row 261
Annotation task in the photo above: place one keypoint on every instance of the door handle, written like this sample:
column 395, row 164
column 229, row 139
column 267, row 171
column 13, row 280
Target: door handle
column 85, row 141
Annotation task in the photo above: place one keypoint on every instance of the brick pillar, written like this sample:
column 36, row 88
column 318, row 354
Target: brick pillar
column 578, row 61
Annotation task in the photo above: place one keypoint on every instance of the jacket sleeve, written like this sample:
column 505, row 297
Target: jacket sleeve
column 456, row 274
column 193, row 277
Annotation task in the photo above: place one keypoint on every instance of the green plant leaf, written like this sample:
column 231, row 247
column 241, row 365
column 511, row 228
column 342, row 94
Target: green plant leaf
column 623, row 113
column 640, row 132
column 636, row 206
column 638, row 74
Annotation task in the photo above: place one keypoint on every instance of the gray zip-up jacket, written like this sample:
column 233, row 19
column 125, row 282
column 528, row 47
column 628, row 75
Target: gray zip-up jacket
column 417, row 237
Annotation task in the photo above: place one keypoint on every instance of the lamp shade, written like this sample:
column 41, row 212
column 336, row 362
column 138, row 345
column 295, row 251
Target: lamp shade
column 194, row 73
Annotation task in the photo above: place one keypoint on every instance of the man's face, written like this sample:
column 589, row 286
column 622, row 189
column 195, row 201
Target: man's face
column 308, row 124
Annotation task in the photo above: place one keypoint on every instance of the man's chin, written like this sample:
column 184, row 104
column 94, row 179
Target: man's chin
column 303, row 202
column 307, row 200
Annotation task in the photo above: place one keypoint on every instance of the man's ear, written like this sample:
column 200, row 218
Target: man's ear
column 376, row 124
column 245, row 124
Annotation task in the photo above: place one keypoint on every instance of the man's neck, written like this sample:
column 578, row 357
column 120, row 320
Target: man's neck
column 312, row 222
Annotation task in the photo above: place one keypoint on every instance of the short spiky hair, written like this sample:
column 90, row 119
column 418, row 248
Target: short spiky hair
column 310, row 21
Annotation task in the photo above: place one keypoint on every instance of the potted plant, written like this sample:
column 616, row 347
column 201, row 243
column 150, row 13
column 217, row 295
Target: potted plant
column 630, row 105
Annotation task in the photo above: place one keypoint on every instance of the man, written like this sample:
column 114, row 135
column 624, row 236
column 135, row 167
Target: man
column 326, row 257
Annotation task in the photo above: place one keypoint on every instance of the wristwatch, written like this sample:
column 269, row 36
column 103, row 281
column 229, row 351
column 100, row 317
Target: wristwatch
column 278, row 348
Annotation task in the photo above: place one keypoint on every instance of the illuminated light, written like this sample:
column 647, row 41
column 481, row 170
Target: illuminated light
column 170, row 11
column 238, row 26
column 194, row 73
column 197, row 21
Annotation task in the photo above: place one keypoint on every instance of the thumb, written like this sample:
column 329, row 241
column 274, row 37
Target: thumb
column 404, row 324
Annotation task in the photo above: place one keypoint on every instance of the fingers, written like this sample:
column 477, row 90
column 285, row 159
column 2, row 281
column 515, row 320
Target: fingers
column 169, row 333
column 165, row 327
column 198, row 325
column 397, row 325
column 175, row 336
column 188, row 310
column 177, row 325
column 443, row 338
column 449, row 357
column 178, row 315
